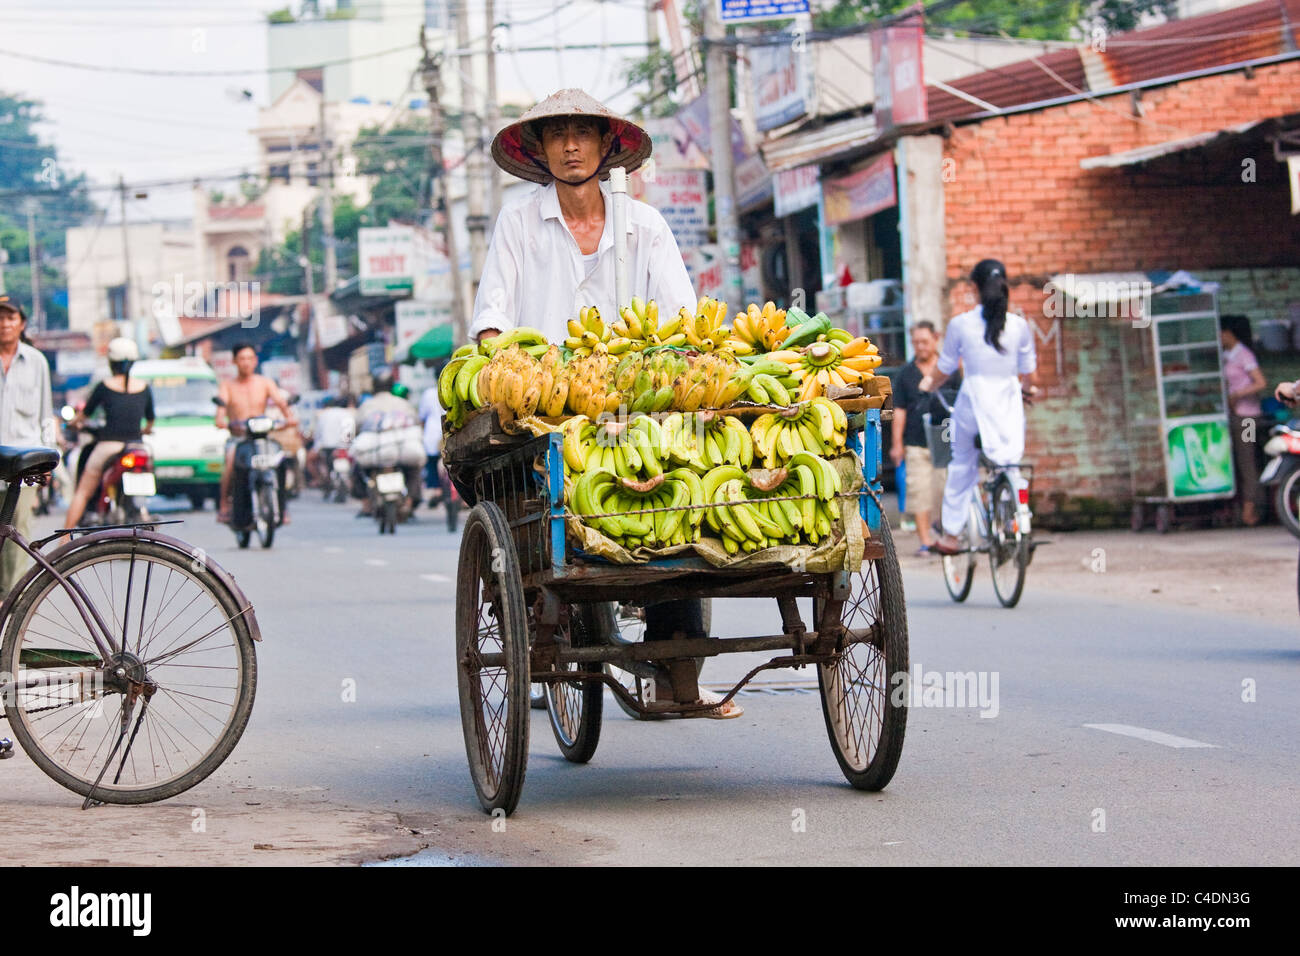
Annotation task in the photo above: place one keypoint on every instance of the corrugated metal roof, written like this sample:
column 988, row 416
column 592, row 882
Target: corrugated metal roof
column 1146, row 153
column 1242, row 33
column 797, row 149
column 1183, row 46
column 1012, row 85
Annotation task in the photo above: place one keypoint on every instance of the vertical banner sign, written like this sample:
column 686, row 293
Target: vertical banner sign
column 898, row 75
column 796, row 189
column 682, row 199
column 780, row 85
column 753, row 181
column 861, row 194
column 747, row 11
column 387, row 257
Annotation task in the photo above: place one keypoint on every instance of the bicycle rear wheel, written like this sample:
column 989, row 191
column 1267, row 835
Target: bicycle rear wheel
column 1008, row 546
column 181, row 630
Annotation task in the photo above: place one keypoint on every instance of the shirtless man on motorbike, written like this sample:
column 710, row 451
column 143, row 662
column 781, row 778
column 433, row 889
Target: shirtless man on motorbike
column 245, row 396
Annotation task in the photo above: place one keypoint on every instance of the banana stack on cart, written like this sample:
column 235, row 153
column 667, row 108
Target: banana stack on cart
column 651, row 457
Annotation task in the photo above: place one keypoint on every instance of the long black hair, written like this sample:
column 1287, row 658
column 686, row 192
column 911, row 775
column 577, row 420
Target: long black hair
column 1239, row 326
column 990, row 278
column 123, row 369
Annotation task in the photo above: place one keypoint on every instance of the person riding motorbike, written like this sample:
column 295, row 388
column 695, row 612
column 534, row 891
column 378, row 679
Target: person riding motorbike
column 125, row 403
column 245, row 396
column 334, row 428
column 388, row 409
column 553, row 253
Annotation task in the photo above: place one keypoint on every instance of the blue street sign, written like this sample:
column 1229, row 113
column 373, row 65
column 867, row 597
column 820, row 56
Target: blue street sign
column 740, row 11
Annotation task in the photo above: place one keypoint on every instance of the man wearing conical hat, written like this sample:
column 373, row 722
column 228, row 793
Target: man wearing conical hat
column 553, row 253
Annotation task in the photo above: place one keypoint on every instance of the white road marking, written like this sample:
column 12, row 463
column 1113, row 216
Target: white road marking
column 436, row 578
column 375, row 562
column 1155, row 736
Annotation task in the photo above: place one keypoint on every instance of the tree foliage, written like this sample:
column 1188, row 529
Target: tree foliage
column 1036, row 19
column 30, row 170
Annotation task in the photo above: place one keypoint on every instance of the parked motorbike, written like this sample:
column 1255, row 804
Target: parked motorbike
column 1283, row 471
column 256, row 485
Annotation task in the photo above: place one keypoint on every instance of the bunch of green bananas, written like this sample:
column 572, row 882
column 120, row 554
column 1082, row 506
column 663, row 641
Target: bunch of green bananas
column 458, row 383
column 749, row 516
column 632, row 449
column 600, row 491
column 704, row 440
column 646, row 379
column 818, row 426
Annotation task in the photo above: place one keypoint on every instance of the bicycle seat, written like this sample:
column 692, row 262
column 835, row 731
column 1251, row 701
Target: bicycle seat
column 17, row 463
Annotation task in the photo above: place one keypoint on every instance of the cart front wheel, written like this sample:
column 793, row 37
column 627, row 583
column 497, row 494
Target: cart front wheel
column 491, row 620
column 865, row 718
column 576, row 707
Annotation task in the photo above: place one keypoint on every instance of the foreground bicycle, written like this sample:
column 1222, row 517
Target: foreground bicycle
column 999, row 525
column 127, row 666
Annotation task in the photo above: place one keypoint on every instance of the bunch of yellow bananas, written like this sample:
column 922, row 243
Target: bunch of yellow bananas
column 458, row 384
column 705, row 331
column 639, row 324
column 705, row 440
column 822, row 364
column 630, row 449
column 818, row 426
column 590, row 390
column 762, row 329
column 515, row 380
column 588, row 333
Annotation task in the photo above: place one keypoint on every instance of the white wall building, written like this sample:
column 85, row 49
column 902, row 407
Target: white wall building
column 159, row 252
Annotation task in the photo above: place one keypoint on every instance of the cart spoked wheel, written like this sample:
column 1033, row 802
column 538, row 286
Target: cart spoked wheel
column 865, row 719
column 1008, row 545
column 576, row 707
column 491, row 619
column 959, row 569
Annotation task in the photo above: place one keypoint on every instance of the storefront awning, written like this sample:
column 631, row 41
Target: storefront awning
column 434, row 344
column 1145, row 154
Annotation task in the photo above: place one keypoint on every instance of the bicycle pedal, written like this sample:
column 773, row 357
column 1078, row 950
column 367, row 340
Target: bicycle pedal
column 6, row 748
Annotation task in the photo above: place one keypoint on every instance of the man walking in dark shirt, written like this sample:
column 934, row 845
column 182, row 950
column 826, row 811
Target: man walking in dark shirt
column 924, row 482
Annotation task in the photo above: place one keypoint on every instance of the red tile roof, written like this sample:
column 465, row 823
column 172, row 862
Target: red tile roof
column 254, row 210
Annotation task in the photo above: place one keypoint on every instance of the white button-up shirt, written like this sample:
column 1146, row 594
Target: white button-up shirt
column 536, row 275
column 26, row 406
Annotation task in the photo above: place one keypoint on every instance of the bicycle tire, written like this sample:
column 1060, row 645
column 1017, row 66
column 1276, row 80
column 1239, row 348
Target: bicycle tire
column 1007, row 544
column 170, row 722
column 959, row 569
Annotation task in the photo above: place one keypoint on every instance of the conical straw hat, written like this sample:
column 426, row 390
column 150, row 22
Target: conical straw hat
column 518, row 151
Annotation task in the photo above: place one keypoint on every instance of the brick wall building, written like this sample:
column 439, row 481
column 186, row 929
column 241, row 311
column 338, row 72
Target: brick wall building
column 1017, row 188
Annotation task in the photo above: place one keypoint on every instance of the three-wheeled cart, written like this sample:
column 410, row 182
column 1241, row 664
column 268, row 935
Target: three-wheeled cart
column 532, row 608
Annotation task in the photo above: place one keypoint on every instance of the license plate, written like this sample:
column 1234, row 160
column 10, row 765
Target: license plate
column 174, row 471
column 390, row 483
column 138, row 484
column 1271, row 470
column 342, row 464
column 263, row 461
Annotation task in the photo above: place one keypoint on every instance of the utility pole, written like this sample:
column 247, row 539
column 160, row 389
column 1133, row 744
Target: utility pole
column 430, row 73
column 493, row 109
column 325, row 169
column 128, row 296
column 471, row 127
column 718, row 89
column 34, row 259
column 652, row 40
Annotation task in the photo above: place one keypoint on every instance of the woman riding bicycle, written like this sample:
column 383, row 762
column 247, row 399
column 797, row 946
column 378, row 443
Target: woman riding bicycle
column 126, row 404
column 997, row 350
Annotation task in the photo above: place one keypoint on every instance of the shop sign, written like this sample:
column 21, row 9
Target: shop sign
column 682, row 198
column 780, row 85
column 1198, row 459
column 413, row 318
column 861, row 194
column 749, row 11
column 796, row 189
column 898, row 74
column 387, row 258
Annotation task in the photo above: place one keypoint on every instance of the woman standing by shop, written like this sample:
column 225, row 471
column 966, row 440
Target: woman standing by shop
column 996, row 350
column 1245, row 382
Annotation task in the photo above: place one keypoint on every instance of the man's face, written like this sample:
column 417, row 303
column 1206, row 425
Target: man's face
column 11, row 327
column 923, row 343
column 573, row 147
column 246, row 362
